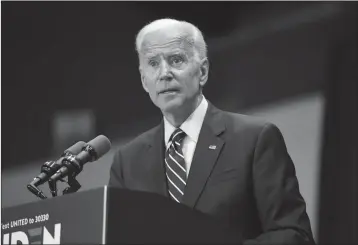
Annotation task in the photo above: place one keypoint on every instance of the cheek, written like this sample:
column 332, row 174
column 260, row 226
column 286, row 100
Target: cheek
column 150, row 88
column 150, row 79
column 190, row 79
column 183, row 74
column 149, row 72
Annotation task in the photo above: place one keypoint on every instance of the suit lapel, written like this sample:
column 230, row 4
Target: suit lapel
column 206, row 154
column 154, row 159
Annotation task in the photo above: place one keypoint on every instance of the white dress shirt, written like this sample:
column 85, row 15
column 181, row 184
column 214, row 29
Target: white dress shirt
column 191, row 127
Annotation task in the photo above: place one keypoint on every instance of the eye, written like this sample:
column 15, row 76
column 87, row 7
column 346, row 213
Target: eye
column 153, row 63
column 176, row 60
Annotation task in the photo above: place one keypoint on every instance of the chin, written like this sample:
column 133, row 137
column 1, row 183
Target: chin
column 171, row 106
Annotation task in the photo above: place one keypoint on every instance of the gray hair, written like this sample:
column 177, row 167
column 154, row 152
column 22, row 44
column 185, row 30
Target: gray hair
column 199, row 42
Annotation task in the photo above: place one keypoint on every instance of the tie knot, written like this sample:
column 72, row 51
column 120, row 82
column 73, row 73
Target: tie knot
column 178, row 135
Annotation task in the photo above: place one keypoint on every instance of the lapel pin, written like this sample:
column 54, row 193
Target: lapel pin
column 212, row 147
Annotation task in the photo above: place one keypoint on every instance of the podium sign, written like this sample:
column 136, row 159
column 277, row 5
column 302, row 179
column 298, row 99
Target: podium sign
column 110, row 215
column 57, row 220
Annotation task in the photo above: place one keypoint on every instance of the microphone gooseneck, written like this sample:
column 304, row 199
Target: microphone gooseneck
column 92, row 151
column 50, row 167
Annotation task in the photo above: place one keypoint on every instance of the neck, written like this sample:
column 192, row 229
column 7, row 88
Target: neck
column 178, row 116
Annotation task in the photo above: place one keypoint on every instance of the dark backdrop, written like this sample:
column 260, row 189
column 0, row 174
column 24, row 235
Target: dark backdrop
column 62, row 56
column 338, row 212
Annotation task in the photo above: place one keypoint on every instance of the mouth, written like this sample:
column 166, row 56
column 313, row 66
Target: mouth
column 169, row 91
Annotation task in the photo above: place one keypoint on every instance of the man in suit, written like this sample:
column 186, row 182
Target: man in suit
column 231, row 166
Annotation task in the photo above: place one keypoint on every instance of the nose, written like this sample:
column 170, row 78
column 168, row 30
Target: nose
column 165, row 72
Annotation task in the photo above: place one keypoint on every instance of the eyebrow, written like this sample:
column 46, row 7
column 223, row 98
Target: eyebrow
column 176, row 52
column 148, row 57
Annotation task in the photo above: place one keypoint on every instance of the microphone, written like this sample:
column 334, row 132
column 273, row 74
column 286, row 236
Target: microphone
column 73, row 165
column 50, row 167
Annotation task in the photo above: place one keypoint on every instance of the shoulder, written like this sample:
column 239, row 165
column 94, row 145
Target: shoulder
column 237, row 124
column 241, row 123
column 243, row 127
column 251, row 127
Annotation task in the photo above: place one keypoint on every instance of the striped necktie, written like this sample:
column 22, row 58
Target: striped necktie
column 175, row 165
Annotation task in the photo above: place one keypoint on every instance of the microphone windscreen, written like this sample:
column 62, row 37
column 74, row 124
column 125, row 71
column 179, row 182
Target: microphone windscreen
column 76, row 148
column 101, row 145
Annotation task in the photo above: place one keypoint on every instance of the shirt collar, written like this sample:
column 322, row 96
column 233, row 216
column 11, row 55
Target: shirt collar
column 191, row 126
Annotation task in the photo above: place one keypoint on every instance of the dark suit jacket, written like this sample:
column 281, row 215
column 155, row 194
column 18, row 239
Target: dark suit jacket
column 249, row 180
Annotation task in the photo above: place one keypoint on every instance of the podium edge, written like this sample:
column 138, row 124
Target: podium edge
column 104, row 219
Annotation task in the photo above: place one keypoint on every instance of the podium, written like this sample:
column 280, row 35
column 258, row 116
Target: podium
column 109, row 215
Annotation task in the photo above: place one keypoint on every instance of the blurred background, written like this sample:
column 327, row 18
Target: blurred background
column 69, row 72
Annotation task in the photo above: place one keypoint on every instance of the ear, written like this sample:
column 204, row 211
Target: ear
column 204, row 71
column 142, row 78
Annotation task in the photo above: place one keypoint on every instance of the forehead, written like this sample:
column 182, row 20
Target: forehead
column 167, row 40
